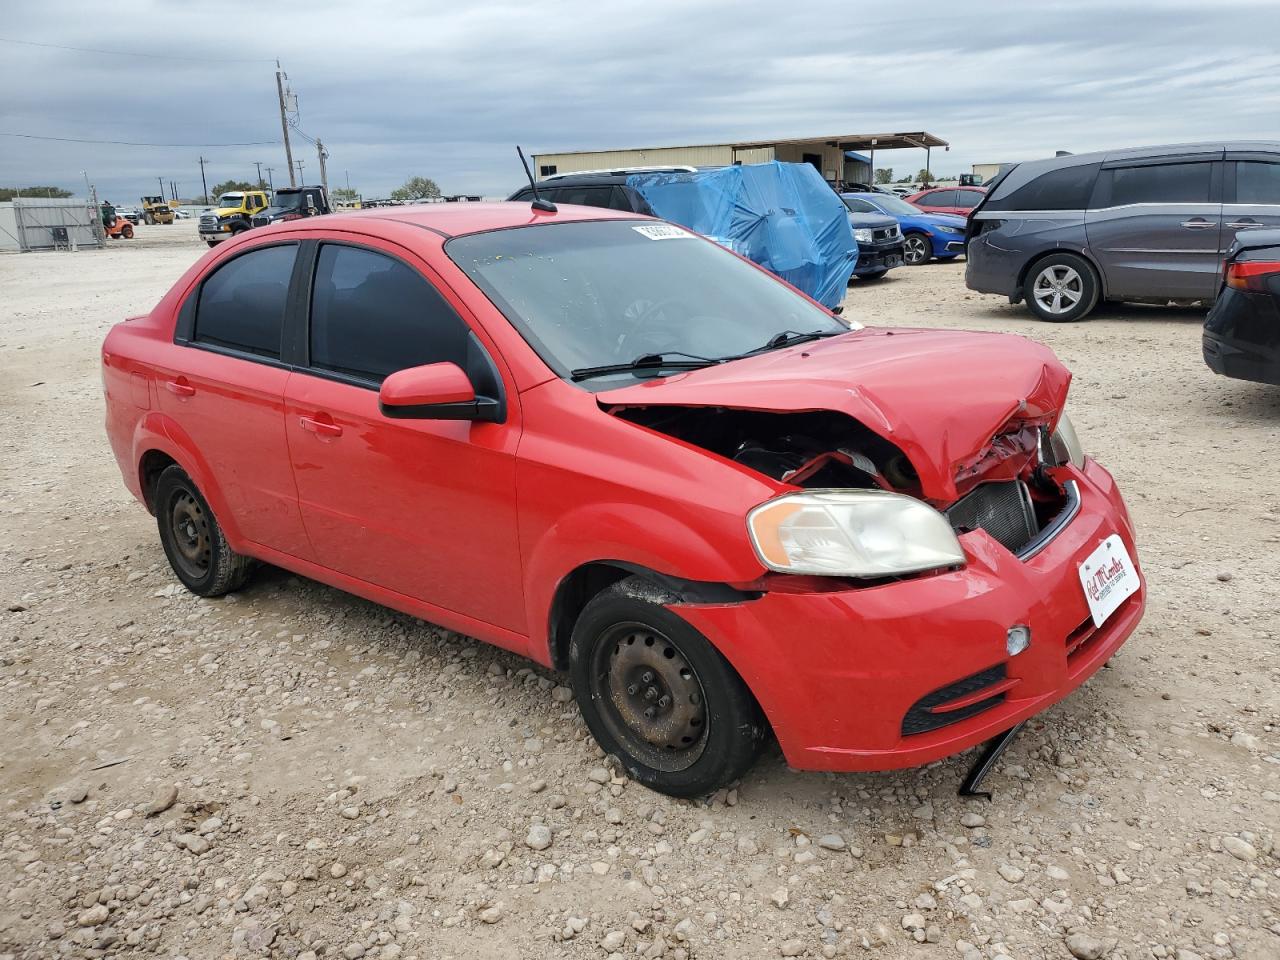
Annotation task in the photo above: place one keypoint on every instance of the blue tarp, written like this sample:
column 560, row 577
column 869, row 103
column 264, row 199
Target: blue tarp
column 783, row 216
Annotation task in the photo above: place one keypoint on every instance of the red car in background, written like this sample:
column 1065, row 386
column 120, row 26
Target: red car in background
column 957, row 200
column 603, row 442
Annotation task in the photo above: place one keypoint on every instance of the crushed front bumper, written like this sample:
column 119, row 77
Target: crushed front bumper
column 840, row 674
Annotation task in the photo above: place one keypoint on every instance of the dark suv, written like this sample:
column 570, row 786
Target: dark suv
column 1149, row 224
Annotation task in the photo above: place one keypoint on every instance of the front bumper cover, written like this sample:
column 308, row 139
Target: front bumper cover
column 836, row 673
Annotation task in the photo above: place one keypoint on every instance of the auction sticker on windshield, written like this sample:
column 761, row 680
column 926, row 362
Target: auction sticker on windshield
column 1109, row 578
column 661, row 231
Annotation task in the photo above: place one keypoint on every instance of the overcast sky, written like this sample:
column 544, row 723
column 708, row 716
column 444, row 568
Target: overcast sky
column 397, row 88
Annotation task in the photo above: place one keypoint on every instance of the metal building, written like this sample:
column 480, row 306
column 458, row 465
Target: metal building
column 830, row 155
column 39, row 223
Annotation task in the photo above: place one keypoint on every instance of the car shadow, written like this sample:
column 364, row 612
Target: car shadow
column 1126, row 312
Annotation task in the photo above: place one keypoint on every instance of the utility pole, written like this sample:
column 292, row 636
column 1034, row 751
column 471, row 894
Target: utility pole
column 258, row 164
column 160, row 180
column 299, row 165
column 271, row 185
column 324, row 176
column 204, row 184
column 284, row 123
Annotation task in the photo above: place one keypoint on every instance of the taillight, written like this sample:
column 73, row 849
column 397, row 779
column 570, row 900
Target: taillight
column 1251, row 274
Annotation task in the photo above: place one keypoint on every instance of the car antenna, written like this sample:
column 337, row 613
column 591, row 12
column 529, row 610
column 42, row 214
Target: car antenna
column 546, row 206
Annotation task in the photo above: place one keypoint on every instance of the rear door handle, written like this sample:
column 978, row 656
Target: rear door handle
column 180, row 388
column 321, row 428
column 1244, row 224
column 1198, row 224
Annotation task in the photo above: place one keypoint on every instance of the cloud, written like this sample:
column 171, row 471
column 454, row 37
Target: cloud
column 397, row 89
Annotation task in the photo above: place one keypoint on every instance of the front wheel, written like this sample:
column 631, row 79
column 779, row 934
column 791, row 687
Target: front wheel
column 917, row 249
column 127, row 233
column 1061, row 288
column 212, row 243
column 193, row 539
column 658, row 696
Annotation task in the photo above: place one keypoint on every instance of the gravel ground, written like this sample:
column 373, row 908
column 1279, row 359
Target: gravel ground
column 293, row 772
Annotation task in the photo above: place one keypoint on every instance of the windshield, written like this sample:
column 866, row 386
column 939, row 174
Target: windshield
column 895, row 206
column 231, row 200
column 603, row 292
column 288, row 201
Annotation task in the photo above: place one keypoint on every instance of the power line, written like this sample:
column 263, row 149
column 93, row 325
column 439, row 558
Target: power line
column 133, row 143
column 151, row 56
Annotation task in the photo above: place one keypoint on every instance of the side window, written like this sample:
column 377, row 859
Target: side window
column 939, row 198
column 618, row 200
column 967, row 199
column 1067, row 188
column 372, row 315
column 546, row 169
column 860, row 206
column 1257, row 182
column 586, row 196
column 242, row 303
column 1161, row 183
column 525, row 195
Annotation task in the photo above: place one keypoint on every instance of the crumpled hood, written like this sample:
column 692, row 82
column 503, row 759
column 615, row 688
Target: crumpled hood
column 939, row 395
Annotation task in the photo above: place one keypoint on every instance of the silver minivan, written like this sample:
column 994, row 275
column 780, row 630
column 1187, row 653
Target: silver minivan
column 1148, row 224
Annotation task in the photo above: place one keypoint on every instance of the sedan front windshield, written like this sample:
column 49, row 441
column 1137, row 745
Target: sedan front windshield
column 596, row 293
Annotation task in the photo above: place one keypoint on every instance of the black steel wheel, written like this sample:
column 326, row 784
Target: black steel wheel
column 658, row 696
column 192, row 539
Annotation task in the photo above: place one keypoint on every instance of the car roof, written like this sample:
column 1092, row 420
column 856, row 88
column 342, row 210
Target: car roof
column 456, row 219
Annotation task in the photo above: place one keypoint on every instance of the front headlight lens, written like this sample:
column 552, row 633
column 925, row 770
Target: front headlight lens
column 852, row 533
column 944, row 228
column 1066, row 444
column 863, row 236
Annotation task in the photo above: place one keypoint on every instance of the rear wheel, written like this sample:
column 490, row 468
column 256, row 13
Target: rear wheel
column 193, row 540
column 918, row 249
column 658, row 696
column 1061, row 288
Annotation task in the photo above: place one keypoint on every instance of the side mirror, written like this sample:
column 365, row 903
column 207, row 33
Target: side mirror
column 436, row 391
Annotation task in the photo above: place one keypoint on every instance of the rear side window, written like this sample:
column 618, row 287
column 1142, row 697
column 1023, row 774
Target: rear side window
column 1066, row 188
column 372, row 315
column 242, row 303
column 1161, row 183
column 942, row 198
column 860, row 206
column 586, row 196
column 967, row 199
column 1257, row 182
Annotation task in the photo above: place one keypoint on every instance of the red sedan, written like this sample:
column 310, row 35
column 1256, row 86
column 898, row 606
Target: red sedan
column 613, row 446
column 957, row 200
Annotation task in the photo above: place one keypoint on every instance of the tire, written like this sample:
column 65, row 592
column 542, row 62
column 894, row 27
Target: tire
column 193, row 539
column 917, row 249
column 212, row 243
column 127, row 233
column 705, row 729
column 1061, row 288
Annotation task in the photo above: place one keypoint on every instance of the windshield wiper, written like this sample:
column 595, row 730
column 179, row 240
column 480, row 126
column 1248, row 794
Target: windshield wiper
column 646, row 361
column 787, row 338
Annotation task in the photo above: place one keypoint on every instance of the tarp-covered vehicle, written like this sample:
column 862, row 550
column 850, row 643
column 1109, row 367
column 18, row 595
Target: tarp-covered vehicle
column 782, row 216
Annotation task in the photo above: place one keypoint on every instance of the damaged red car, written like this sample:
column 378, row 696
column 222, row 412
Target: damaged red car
column 610, row 445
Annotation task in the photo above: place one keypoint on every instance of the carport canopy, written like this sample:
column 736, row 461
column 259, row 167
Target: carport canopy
column 858, row 141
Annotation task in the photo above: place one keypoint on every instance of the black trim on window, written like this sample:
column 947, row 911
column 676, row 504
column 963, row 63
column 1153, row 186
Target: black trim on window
column 293, row 336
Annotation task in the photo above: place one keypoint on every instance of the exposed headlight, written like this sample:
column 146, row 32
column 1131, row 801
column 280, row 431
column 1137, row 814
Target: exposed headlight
column 864, row 236
column 1066, row 445
column 946, row 228
column 852, row 533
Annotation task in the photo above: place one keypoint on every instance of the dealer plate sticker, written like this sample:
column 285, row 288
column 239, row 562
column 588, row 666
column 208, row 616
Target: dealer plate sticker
column 662, row 231
column 1109, row 578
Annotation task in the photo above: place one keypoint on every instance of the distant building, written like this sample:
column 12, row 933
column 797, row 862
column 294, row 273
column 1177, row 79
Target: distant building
column 987, row 171
column 849, row 158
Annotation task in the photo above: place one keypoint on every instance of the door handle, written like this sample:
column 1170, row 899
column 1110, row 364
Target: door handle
column 1198, row 224
column 180, row 388
column 321, row 428
column 1244, row 224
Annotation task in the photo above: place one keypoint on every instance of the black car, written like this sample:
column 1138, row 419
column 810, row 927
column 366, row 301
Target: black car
column 1242, row 331
column 880, row 243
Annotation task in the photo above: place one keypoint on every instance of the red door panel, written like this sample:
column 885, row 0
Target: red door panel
column 233, row 410
column 423, row 507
